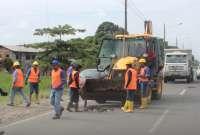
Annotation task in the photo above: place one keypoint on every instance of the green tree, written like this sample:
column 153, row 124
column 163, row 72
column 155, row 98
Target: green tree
column 7, row 64
column 59, row 30
column 107, row 30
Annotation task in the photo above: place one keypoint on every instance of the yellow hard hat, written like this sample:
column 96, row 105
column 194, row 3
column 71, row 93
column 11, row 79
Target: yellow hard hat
column 142, row 61
column 16, row 63
column 35, row 63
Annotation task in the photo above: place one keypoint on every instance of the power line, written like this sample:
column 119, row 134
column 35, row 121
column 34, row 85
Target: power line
column 137, row 9
column 140, row 17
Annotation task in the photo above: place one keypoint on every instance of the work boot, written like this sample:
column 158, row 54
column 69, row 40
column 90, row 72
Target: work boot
column 77, row 108
column 56, row 116
column 28, row 104
column 61, row 110
column 131, row 107
column 125, row 107
column 146, row 102
column 142, row 106
column 149, row 100
column 69, row 107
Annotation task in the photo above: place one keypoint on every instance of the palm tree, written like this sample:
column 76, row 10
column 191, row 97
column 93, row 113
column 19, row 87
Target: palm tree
column 59, row 30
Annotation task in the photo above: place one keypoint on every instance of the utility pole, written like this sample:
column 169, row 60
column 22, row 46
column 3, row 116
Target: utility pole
column 126, row 2
column 164, row 36
column 125, row 29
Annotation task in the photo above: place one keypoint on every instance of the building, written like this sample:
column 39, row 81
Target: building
column 19, row 52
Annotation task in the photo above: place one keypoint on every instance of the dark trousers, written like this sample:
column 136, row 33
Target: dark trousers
column 74, row 95
column 130, row 94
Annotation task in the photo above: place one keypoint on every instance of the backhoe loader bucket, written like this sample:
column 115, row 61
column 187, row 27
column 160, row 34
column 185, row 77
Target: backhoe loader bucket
column 102, row 90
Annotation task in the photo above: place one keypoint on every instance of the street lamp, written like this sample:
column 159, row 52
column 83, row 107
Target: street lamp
column 179, row 24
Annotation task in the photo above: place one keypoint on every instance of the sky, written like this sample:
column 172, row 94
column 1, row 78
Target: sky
column 19, row 18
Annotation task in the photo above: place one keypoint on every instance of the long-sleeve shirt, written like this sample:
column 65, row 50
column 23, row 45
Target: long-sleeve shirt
column 14, row 77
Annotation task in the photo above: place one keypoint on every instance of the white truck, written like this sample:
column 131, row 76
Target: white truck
column 178, row 65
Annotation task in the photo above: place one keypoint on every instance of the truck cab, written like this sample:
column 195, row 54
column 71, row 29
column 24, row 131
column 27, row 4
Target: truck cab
column 178, row 65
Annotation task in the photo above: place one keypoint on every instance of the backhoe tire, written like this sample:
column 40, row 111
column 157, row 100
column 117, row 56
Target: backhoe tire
column 157, row 95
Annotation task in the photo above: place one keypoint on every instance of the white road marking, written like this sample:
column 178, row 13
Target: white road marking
column 25, row 120
column 183, row 92
column 159, row 121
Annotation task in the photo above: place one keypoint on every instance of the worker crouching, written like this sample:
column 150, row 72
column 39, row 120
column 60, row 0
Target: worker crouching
column 130, row 86
column 144, row 76
column 58, row 82
column 74, row 88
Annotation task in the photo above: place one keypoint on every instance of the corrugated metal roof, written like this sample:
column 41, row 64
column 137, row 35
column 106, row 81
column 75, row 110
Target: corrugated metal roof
column 20, row 48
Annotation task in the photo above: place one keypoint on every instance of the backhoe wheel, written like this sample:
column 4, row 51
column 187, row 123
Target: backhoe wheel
column 150, row 95
column 157, row 95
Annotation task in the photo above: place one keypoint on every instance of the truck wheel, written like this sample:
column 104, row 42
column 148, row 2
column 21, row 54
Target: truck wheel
column 102, row 101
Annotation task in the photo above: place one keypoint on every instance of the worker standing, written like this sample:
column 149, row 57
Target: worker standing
column 33, row 77
column 58, row 81
column 74, row 88
column 17, row 85
column 130, row 86
column 144, row 76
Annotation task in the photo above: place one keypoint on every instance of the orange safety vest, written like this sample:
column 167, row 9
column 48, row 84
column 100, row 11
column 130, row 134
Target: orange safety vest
column 143, row 77
column 20, row 79
column 34, row 76
column 133, row 83
column 56, row 80
column 73, row 84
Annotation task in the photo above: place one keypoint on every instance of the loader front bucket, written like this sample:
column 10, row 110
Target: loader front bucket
column 103, row 90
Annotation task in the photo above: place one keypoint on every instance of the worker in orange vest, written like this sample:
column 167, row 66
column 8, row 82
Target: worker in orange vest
column 58, row 80
column 17, row 85
column 144, row 77
column 74, row 88
column 130, row 86
column 33, row 77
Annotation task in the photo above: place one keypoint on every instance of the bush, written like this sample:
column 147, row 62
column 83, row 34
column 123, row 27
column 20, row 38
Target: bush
column 7, row 64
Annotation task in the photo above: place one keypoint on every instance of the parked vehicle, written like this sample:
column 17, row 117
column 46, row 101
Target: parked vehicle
column 198, row 72
column 178, row 65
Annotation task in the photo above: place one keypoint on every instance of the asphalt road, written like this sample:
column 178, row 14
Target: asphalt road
column 178, row 113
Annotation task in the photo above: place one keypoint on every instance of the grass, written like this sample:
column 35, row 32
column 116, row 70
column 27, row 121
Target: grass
column 5, row 84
